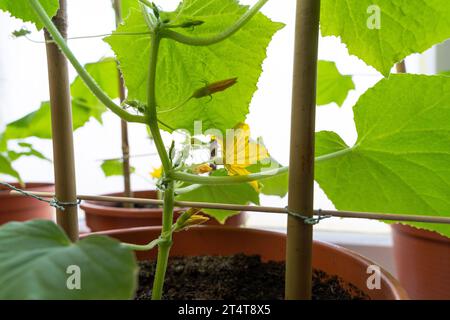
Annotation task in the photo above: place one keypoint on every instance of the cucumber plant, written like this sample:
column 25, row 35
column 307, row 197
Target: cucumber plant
column 399, row 163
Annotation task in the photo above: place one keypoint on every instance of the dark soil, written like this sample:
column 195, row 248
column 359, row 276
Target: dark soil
column 237, row 277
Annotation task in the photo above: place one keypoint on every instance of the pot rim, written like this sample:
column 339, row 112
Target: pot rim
column 95, row 208
column 393, row 284
column 414, row 232
column 29, row 186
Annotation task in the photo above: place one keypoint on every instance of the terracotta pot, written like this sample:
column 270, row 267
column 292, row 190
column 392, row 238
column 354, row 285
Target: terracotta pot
column 423, row 262
column 101, row 216
column 332, row 259
column 13, row 208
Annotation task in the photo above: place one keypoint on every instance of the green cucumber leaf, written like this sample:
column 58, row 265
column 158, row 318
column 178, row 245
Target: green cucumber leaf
column 38, row 261
column 7, row 169
column 406, row 27
column 127, row 5
column 332, row 86
column 27, row 151
column 106, row 75
column 184, row 69
column 401, row 160
column 84, row 104
column 23, row 10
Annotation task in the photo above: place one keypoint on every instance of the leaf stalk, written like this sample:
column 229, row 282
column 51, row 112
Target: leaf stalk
column 207, row 41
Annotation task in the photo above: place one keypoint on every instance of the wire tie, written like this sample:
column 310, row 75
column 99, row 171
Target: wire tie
column 309, row 220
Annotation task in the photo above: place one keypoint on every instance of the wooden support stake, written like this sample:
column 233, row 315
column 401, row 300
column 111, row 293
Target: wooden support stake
column 117, row 4
column 301, row 173
column 62, row 133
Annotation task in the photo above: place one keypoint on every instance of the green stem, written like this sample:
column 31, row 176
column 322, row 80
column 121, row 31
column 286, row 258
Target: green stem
column 87, row 78
column 164, row 247
column 146, row 247
column 193, row 41
column 333, row 155
column 212, row 180
column 151, row 104
column 209, row 180
column 169, row 197
column 187, row 189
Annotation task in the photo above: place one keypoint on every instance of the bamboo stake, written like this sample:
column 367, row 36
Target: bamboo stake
column 117, row 4
column 260, row 209
column 301, row 173
column 62, row 133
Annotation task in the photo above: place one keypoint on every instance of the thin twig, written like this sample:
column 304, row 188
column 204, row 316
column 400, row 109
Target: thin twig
column 145, row 155
column 92, row 36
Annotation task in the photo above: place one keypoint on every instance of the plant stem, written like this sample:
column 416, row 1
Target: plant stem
column 146, row 247
column 211, row 180
column 166, row 244
column 193, row 41
column 169, row 196
column 87, row 78
column 187, row 189
column 151, row 104
column 333, row 155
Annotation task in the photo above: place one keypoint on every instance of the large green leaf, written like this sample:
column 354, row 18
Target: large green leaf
column 23, row 10
column 127, row 5
column 106, row 75
column 7, row 169
column 38, row 123
column 407, row 26
column 36, row 259
column 34, row 124
column 233, row 194
column 27, row 150
column 401, row 160
column 184, row 69
column 332, row 86
column 84, row 104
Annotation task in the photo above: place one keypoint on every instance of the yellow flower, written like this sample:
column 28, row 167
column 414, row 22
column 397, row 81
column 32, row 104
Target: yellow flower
column 195, row 220
column 157, row 172
column 202, row 168
column 240, row 152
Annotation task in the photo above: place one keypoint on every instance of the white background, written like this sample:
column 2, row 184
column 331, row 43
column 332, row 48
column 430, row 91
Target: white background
column 23, row 85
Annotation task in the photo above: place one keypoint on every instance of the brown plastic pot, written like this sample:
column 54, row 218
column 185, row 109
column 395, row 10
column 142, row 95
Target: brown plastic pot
column 423, row 262
column 101, row 216
column 13, row 208
column 219, row 240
